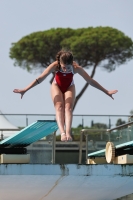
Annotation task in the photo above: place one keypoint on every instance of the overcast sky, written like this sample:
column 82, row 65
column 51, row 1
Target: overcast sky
column 20, row 18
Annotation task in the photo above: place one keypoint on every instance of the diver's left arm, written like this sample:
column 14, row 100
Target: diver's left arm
column 92, row 82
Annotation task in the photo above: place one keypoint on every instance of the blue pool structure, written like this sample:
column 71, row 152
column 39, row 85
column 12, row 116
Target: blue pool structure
column 51, row 181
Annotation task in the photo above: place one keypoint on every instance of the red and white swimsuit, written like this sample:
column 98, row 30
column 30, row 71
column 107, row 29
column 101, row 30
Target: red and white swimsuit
column 64, row 79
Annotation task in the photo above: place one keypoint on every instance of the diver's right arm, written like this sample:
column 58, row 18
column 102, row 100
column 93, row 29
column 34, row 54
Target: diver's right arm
column 51, row 68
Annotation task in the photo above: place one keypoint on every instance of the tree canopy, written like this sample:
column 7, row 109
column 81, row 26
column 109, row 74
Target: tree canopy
column 39, row 49
column 106, row 47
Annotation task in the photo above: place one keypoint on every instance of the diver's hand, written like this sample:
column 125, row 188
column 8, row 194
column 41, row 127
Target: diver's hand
column 111, row 92
column 20, row 92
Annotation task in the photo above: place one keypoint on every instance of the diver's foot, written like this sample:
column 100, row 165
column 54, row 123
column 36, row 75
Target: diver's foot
column 69, row 138
column 63, row 137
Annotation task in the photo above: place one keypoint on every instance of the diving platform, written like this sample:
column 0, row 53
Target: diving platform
column 118, row 147
column 30, row 134
column 12, row 149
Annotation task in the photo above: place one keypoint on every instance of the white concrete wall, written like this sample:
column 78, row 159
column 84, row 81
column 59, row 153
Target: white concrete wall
column 65, row 182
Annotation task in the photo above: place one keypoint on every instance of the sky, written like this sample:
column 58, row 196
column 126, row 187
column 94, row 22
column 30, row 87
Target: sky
column 20, row 18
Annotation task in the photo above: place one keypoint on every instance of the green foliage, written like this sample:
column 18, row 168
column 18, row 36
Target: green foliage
column 104, row 46
column 77, row 130
column 39, row 49
column 93, row 133
column 120, row 122
column 98, row 125
column 99, row 44
column 131, row 112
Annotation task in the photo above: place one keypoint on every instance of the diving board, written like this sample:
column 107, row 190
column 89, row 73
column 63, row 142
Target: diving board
column 101, row 153
column 30, row 134
column 125, row 145
column 116, row 150
column 119, row 154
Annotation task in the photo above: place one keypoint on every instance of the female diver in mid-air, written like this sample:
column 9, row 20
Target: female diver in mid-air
column 63, row 89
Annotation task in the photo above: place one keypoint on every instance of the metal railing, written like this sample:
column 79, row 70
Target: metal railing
column 22, row 120
column 119, row 127
column 87, row 133
column 119, row 134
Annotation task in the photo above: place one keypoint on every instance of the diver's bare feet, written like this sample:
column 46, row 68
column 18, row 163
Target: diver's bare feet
column 63, row 137
column 69, row 138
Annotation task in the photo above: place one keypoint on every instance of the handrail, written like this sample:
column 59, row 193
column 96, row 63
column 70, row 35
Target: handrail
column 10, row 129
column 30, row 114
column 83, row 131
column 121, row 126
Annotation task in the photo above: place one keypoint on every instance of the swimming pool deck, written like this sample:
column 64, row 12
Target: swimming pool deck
column 63, row 182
